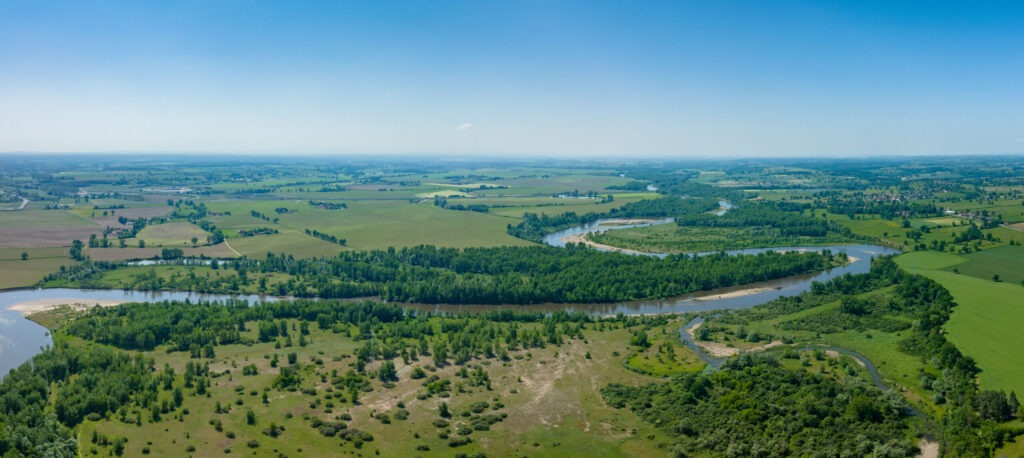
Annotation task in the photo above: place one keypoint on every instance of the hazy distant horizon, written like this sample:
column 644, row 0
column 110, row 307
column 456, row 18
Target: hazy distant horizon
column 573, row 79
column 508, row 157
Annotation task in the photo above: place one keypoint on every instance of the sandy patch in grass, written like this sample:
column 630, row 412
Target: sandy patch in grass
column 929, row 448
column 721, row 350
column 41, row 305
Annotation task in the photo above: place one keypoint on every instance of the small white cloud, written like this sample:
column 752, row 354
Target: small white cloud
column 1019, row 140
column 465, row 126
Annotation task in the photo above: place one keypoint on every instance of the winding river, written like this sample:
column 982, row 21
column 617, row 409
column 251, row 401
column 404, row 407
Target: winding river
column 20, row 338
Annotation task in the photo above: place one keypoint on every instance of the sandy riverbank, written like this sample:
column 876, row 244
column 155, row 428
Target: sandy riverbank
column 721, row 350
column 732, row 294
column 41, row 305
column 624, row 222
column 582, row 238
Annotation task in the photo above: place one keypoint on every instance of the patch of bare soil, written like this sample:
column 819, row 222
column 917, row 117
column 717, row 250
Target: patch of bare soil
column 31, row 237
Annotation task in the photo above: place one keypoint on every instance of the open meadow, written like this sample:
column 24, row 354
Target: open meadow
column 542, row 401
column 986, row 324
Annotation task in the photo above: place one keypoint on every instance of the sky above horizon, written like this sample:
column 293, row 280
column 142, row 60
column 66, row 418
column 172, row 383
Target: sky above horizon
column 532, row 78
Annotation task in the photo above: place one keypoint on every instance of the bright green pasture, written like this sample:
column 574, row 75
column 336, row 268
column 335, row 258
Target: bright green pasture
column 1005, row 261
column 986, row 324
column 368, row 225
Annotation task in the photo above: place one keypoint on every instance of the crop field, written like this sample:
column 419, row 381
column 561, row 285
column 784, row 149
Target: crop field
column 132, row 252
column 943, row 221
column 369, row 225
column 288, row 241
column 516, row 207
column 987, row 322
column 31, row 237
column 175, row 234
column 111, row 219
column 1006, row 261
column 550, row 397
column 16, row 273
column 42, row 218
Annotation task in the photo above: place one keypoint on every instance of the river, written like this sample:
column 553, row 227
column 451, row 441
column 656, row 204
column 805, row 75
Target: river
column 20, row 338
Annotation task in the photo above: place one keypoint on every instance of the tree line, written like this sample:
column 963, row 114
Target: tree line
column 496, row 275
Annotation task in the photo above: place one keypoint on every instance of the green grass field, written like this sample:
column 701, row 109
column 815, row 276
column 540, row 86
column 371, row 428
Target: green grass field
column 290, row 241
column 369, row 225
column 15, row 273
column 987, row 321
column 1006, row 261
column 893, row 233
column 178, row 234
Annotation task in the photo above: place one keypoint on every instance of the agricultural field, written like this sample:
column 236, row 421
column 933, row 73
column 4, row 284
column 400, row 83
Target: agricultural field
column 177, row 234
column 289, row 241
column 43, row 219
column 18, row 273
column 221, row 250
column 1007, row 262
column 986, row 324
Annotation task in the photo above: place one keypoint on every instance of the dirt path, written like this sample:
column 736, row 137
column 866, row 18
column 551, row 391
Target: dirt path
column 232, row 249
column 24, row 202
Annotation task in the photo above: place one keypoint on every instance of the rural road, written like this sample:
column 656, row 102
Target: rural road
column 24, row 202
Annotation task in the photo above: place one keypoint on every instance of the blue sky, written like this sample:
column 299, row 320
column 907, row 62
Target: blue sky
column 620, row 78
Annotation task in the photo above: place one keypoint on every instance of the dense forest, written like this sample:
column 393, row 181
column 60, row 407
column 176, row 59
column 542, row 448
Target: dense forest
column 789, row 219
column 928, row 306
column 502, row 275
column 754, row 407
